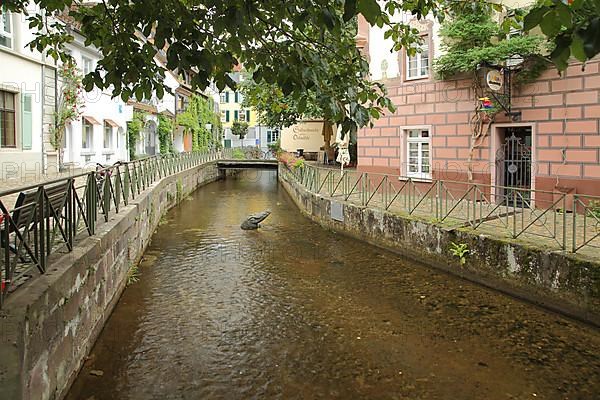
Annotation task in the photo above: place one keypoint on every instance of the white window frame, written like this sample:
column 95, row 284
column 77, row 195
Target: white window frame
column 223, row 97
column 418, row 141
column 8, row 34
column 85, row 60
column 90, row 144
column 273, row 133
column 418, row 57
column 105, row 131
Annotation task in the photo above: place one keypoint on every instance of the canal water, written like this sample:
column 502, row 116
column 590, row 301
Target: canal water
column 293, row 311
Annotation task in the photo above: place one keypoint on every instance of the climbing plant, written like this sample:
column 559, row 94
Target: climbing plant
column 471, row 38
column 70, row 103
column 194, row 119
column 165, row 130
column 134, row 129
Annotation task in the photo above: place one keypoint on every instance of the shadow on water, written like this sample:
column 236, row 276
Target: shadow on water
column 295, row 311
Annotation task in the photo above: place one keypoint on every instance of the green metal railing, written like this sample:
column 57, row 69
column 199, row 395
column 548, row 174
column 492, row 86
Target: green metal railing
column 552, row 219
column 49, row 217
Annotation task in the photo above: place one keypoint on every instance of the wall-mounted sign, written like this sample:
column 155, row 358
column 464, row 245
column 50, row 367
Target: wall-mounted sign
column 495, row 80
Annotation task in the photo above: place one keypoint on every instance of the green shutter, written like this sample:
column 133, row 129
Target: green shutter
column 227, row 116
column 248, row 116
column 226, row 97
column 27, row 120
column 236, row 97
column 235, row 115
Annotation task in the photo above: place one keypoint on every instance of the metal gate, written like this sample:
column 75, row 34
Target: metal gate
column 513, row 162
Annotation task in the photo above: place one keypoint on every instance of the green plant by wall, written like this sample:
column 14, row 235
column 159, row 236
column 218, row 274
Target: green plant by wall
column 134, row 129
column 238, row 154
column 459, row 250
column 194, row 119
column 70, row 102
column 165, row 134
column 133, row 274
column 471, row 38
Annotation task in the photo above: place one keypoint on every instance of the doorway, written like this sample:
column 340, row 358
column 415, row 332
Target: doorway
column 513, row 166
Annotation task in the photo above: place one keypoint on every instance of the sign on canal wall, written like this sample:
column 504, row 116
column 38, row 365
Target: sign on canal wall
column 49, row 325
column 551, row 279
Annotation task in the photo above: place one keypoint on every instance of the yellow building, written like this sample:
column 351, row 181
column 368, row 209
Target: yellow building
column 230, row 105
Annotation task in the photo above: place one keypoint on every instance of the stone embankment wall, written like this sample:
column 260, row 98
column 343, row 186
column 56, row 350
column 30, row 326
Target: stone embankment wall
column 49, row 326
column 554, row 280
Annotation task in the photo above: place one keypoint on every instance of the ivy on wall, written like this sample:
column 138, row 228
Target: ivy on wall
column 134, row 129
column 165, row 133
column 194, row 119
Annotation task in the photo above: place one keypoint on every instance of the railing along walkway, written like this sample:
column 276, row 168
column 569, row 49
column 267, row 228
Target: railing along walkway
column 43, row 219
column 543, row 219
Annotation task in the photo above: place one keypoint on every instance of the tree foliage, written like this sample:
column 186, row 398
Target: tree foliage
column 274, row 108
column 573, row 27
column 239, row 129
column 300, row 46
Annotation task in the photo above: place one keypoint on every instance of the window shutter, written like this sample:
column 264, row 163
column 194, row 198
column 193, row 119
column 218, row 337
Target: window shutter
column 226, row 97
column 236, row 97
column 227, row 116
column 27, row 120
column 248, row 116
column 235, row 115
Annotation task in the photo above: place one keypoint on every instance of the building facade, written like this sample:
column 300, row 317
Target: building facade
column 551, row 142
column 27, row 103
column 231, row 109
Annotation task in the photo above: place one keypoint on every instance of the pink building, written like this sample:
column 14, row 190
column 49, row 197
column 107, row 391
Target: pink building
column 553, row 145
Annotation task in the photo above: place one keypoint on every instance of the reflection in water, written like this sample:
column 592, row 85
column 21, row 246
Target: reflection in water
column 294, row 311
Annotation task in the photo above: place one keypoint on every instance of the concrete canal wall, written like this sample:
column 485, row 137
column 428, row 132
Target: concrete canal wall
column 555, row 280
column 49, row 326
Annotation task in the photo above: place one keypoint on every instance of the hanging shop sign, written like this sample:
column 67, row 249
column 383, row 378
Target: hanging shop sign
column 495, row 80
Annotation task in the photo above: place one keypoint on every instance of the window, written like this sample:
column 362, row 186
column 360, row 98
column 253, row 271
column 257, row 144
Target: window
column 224, row 97
column 87, row 135
column 272, row 135
column 88, row 65
column 7, row 119
column 242, row 116
column 108, row 136
column 223, row 116
column 417, row 66
column 238, row 97
column 418, row 153
column 5, row 29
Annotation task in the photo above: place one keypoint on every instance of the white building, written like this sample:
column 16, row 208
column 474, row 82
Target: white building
column 27, row 101
column 100, row 135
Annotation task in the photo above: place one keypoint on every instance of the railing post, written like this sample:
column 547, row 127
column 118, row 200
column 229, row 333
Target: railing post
column 575, row 201
column 564, row 222
column 438, row 203
column 90, row 202
column 126, row 184
column 514, row 215
column 41, row 220
column 106, row 196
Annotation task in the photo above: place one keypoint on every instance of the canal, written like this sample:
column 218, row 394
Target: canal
column 293, row 311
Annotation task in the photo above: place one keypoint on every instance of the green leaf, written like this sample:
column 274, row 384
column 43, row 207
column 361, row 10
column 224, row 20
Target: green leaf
column 534, row 18
column 349, row 10
column 369, row 9
column 577, row 48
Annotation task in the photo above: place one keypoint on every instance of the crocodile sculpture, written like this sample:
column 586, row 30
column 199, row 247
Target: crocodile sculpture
column 254, row 220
